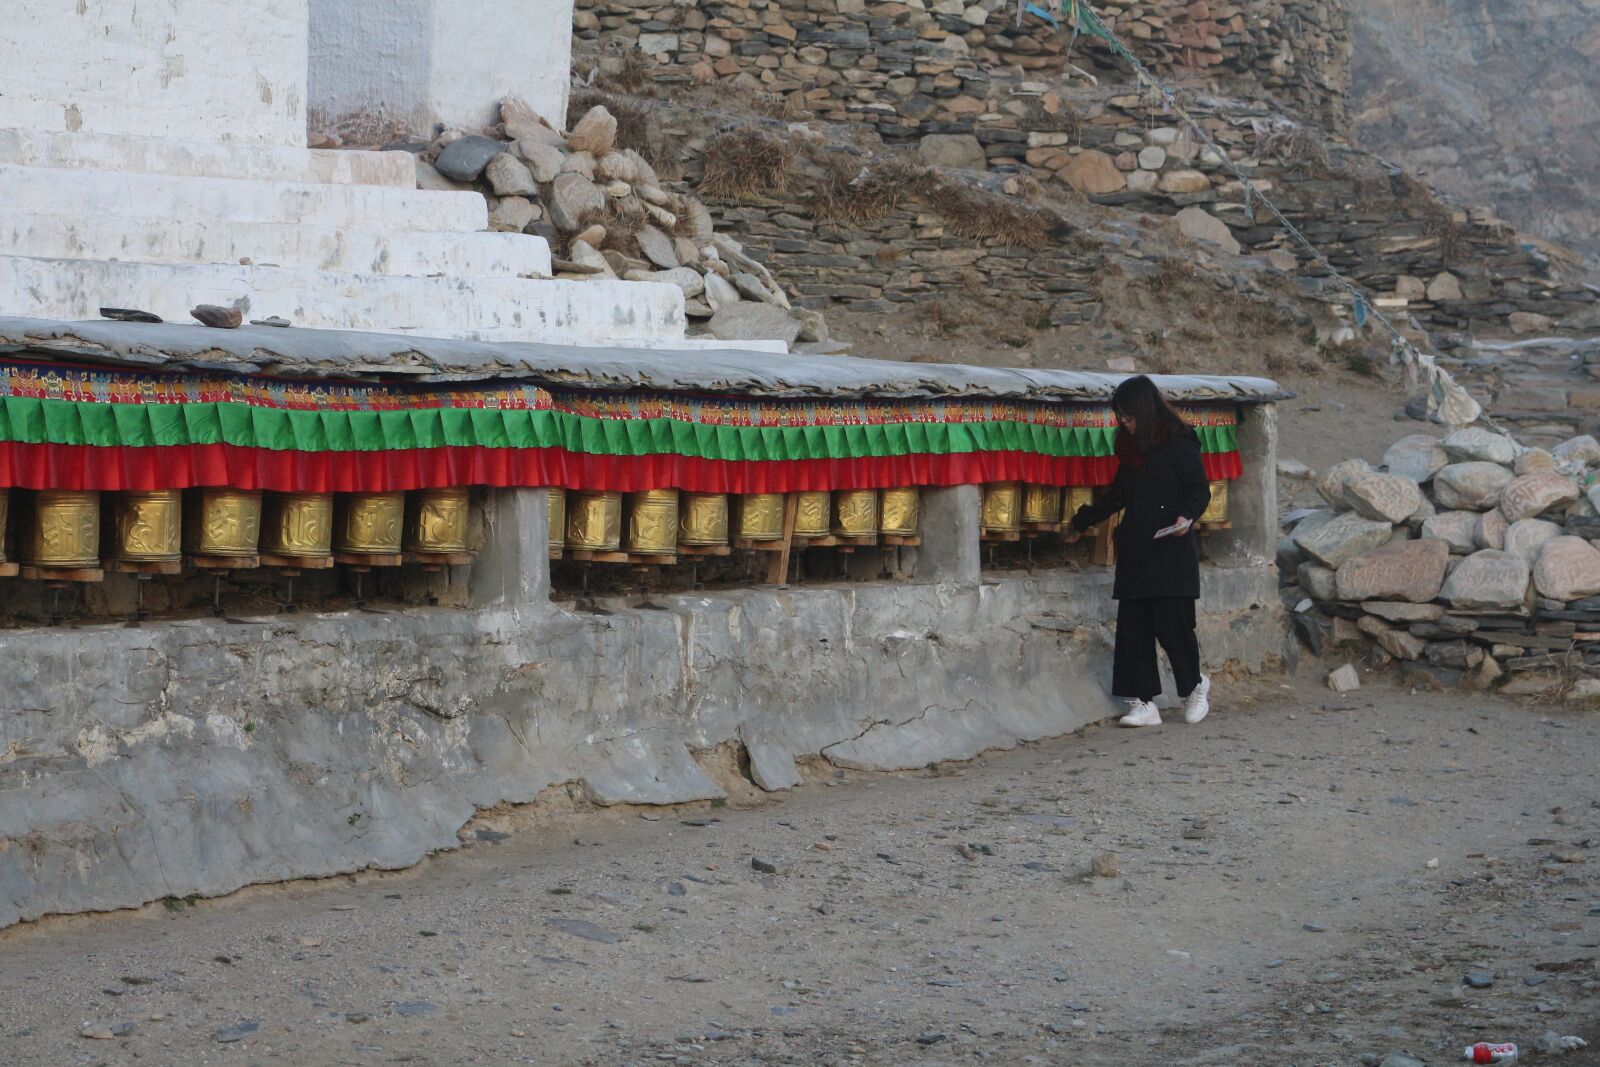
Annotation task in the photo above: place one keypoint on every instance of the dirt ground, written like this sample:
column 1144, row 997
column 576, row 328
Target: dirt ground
column 1303, row 879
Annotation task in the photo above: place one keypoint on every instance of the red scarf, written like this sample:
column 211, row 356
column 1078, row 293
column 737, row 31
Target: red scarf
column 1127, row 450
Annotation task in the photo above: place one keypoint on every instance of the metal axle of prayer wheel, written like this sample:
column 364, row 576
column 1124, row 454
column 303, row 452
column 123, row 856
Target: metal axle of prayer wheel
column 703, row 520
column 1217, row 510
column 813, row 513
column 653, row 522
column 594, row 521
column 761, row 516
column 63, row 530
column 900, row 511
column 437, row 522
column 1002, row 510
column 1041, row 504
column 557, row 505
column 855, row 512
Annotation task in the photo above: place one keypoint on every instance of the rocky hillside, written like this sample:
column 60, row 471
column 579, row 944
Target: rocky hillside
column 1495, row 104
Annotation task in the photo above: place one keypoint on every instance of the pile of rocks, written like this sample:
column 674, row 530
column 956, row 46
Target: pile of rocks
column 1470, row 559
column 607, row 214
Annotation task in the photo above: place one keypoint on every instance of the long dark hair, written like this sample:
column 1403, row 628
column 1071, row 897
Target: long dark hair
column 1154, row 420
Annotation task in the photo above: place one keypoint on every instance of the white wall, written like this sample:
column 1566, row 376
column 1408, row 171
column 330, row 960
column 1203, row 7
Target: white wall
column 397, row 69
column 202, row 70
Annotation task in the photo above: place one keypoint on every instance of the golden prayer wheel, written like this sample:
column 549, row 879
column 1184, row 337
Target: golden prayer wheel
column 1079, row 496
column 653, row 521
column 371, row 524
column 1041, row 503
column 1217, row 510
column 438, row 520
column 147, row 527
column 594, row 521
column 64, row 529
column 297, row 524
column 900, row 511
column 223, row 522
column 1002, row 510
column 812, row 513
column 855, row 512
column 761, row 516
column 557, row 517
column 702, row 519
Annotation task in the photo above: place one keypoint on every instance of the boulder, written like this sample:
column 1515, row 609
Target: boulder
column 749, row 321
column 1444, row 286
column 1318, row 582
column 1331, row 485
column 1534, row 494
column 1417, row 457
column 657, row 247
column 1407, row 570
column 595, row 133
column 1488, row 581
column 1458, row 529
column 1093, row 173
column 720, row 292
column 1490, row 531
column 954, row 151
column 464, row 158
column 1152, row 157
column 1342, row 539
column 1422, row 514
column 1198, row 224
column 572, row 197
column 684, row 278
column 512, row 214
column 1534, row 460
column 1344, row 679
column 1142, row 181
column 1527, row 538
column 1388, row 497
column 578, row 163
column 544, row 161
column 520, row 119
column 1568, row 569
column 1474, row 443
column 1529, row 322
column 509, row 176
column 1584, row 449
column 585, row 255
column 1475, row 485
column 1184, row 181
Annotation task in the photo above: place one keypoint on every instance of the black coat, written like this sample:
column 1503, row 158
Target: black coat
column 1169, row 484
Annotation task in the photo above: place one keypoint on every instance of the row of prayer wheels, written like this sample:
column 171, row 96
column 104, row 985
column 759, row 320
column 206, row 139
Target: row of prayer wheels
column 1009, row 506
column 69, row 529
column 657, row 521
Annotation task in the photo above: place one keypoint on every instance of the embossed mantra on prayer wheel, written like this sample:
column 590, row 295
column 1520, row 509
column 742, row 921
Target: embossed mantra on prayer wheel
column 558, row 518
column 224, row 522
column 297, row 524
column 147, row 527
column 812, row 513
column 594, row 521
column 702, row 519
column 900, row 510
column 1002, row 512
column 1217, row 510
column 653, row 521
column 371, row 524
column 855, row 512
column 1079, row 496
column 1041, row 503
column 438, row 520
column 761, row 516
column 64, row 529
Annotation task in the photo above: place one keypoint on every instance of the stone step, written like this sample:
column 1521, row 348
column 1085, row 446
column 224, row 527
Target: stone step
column 186, row 240
column 492, row 309
column 79, row 193
column 200, row 159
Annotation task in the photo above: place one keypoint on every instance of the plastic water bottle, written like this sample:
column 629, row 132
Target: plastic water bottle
column 1484, row 1052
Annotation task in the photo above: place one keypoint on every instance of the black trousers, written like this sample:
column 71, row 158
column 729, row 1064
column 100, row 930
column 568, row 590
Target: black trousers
column 1140, row 624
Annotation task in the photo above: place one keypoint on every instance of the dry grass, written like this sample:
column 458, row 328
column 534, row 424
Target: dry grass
column 853, row 189
column 637, row 127
column 984, row 216
column 634, row 76
column 1301, row 148
column 745, row 163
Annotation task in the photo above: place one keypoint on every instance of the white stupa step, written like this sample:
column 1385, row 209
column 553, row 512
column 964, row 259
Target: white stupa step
column 200, row 159
column 77, row 193
column 492, row 309
column 184, row 240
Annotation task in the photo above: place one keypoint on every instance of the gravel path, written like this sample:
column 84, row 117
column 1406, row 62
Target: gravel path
column 1303, row 879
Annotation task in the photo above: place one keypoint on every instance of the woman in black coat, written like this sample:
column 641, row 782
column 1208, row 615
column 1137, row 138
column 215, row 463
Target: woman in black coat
column 1161, row 489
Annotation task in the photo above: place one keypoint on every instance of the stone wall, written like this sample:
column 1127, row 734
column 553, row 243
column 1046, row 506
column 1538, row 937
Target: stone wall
column 914, row 69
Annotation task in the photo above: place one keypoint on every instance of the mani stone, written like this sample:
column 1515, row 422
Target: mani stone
column 1405, row 570
column 657, row 247
column 510, row 177
column 1488, row 580
column 1490, row 531
column 1481, row 445
column 464, row 158
column 1458, row 529
column 1332, row 484
column 1342, row 539
column 1568, row 569
column 1527, row 537
column 1584, row 449
column 1535, row 494
column 1417, row 457
column 748, row 321
column 1393, row 611
column 573, row 197
column 1388, row 497
column 1475, row 485
column 1318, row 582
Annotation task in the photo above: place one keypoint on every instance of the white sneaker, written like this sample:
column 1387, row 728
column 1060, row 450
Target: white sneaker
column 1198, row 704
column 1140, row 713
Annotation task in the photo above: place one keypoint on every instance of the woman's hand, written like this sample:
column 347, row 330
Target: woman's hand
column 1177, row 529
column 1072, row 535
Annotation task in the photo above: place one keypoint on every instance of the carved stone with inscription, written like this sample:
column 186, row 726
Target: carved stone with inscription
column 1473, row 485
column 1535, row 494
column 1490, row 529
column 1568, row 569
column 1341, row 539
column 1405, row 570
column 1417, row 457
column 1488, row 580
column 1387, row 497
column 1332, row 484
column 1458, row 529
column 1528, row 537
